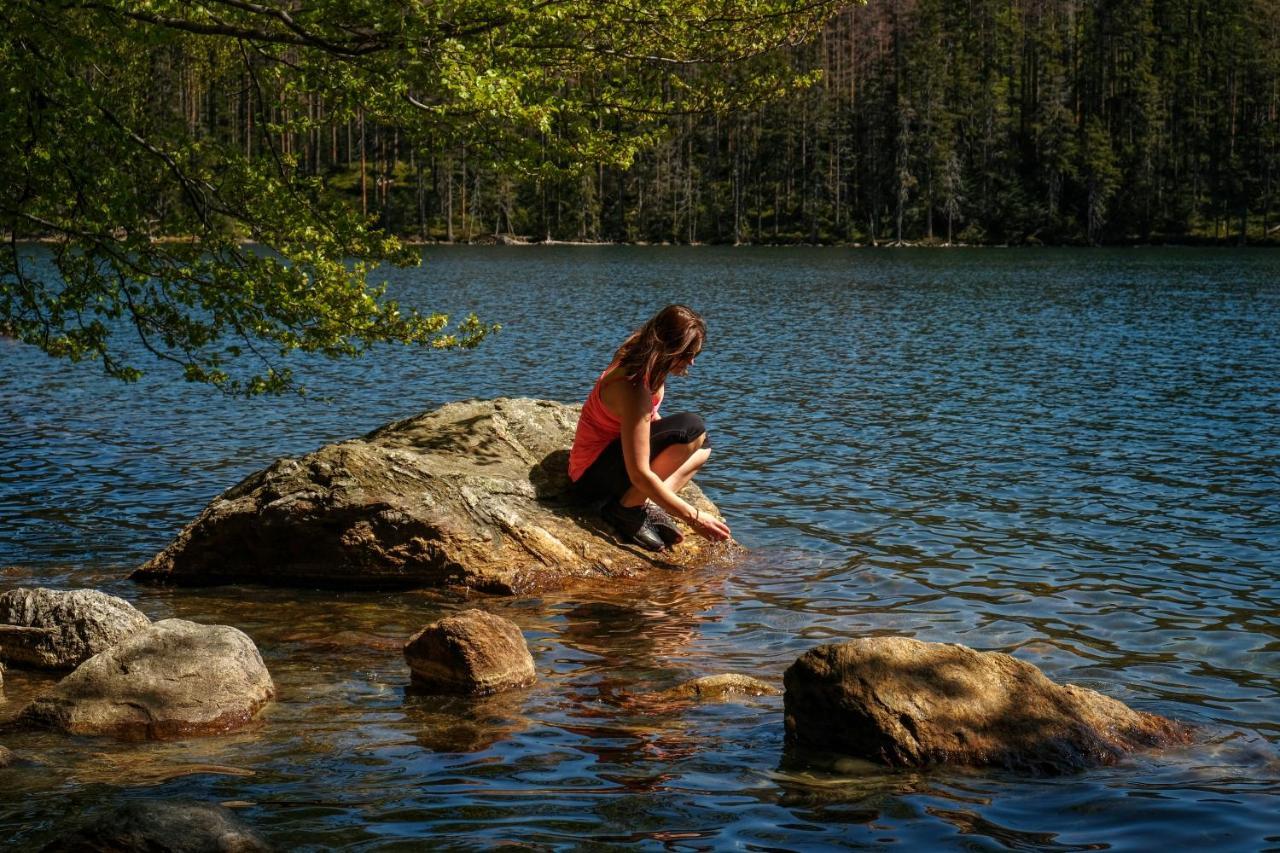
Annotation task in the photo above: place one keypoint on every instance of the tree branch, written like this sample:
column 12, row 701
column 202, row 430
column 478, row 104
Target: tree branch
column 297, row 36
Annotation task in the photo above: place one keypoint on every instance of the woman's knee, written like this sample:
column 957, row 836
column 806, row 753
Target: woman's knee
column 685, row 428
column 697, row 431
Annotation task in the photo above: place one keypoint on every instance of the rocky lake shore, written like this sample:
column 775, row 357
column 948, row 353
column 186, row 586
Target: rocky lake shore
column 471, row 496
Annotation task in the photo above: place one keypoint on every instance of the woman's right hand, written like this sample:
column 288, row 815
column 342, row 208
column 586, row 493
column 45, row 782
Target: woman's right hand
column 710, row 528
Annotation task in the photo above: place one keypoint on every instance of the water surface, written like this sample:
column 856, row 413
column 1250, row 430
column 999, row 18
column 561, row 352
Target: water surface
column 1068, row 455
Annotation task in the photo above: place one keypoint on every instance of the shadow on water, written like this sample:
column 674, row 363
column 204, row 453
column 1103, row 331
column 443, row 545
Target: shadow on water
column 460, row 723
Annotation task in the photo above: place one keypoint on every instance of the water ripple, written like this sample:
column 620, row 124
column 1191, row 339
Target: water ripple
column 1070, row 456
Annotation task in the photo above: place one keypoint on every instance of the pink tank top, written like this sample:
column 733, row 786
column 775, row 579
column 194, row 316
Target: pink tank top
column 596, row 428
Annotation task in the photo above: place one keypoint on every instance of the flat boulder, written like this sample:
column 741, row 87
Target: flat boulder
column 61, row 629
column 908, row 703
column 161, row 825
column 174, row 679
column 473, row 653
column 473, row 494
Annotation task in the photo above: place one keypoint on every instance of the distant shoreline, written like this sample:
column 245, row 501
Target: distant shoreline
column 1270, row 243
column 515, row 240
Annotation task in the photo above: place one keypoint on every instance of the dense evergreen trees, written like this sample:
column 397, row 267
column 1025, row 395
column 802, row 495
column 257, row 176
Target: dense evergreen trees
column 1059, row 121
column 984, row 121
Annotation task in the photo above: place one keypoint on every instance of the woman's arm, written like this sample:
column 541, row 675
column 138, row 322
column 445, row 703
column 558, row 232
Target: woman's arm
column 635, row 408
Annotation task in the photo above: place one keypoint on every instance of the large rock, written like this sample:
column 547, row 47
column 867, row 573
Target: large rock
column 173, row 679
column 908, row 703
column 158, row 825
column 472, row 494
column 61, row 629
column 472, row 652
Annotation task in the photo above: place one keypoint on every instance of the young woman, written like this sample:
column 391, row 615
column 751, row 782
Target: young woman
column 626, row 454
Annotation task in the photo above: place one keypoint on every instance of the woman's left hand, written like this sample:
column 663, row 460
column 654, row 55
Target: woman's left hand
column 710, row 528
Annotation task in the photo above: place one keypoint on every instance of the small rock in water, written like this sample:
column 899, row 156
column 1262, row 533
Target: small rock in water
column 6, row 757
column 473, row 652
column 908, row 703
column 719, row 687
column 173, row 679
column 171, row 826
column 61, row 629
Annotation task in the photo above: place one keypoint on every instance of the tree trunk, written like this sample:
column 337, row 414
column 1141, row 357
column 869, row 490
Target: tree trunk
column 364, row 179
column 448, row 194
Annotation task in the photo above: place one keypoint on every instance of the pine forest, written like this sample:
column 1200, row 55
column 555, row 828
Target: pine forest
column 935, row 121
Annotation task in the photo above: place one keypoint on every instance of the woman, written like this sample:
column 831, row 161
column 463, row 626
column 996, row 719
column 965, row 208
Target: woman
column 625, row 454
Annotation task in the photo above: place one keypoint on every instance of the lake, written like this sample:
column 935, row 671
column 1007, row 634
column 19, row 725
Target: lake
column 1069, row 455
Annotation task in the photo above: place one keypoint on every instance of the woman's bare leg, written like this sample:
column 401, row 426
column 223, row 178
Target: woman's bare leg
column 676, row 465
column 682, row 475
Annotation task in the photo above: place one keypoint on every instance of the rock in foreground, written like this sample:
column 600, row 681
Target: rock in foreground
column 61, row 629
column 174, row 827
column 473, row 652
column 174, row 679
column 472, row 494
column 908, row 703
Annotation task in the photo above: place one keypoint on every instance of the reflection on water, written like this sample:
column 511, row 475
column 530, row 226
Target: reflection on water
column 1071, row 456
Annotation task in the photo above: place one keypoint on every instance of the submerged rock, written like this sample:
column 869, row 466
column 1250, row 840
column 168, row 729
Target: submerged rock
column 473, row 652
column 714, row 688
column 909, row 703
column 61, row 629
column 471, row 494
column 173, row 679
column 158, row 825
column 345, row 641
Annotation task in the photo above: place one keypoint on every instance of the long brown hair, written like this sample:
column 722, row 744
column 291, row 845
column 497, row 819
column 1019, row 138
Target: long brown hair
column 674, row 334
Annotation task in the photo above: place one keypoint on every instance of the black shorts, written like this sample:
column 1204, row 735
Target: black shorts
column 607, row 477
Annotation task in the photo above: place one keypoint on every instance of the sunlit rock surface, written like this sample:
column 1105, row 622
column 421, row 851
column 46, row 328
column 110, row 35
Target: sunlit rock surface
column 472, row 494
column 161, row 825
column 909, row 703
column 472, row 652
column 174, row 679
column 61, row 629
